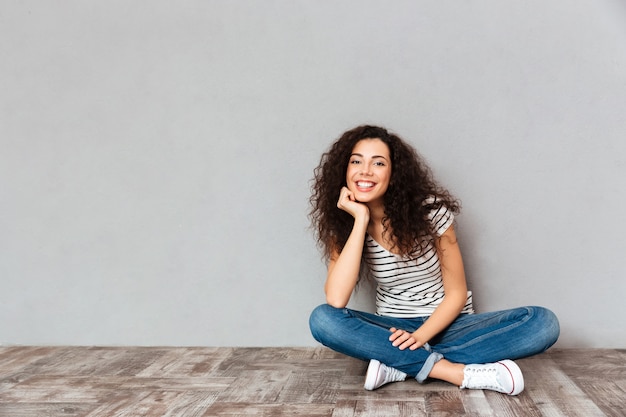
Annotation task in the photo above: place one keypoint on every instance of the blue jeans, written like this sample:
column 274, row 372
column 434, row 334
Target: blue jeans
column 471, row 338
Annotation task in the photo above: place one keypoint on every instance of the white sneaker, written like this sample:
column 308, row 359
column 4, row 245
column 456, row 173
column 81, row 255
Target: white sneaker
column 503, row 376
column 379, row 374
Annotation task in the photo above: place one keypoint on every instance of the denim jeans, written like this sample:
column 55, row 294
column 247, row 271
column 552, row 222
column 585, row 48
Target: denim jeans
column 471, row 338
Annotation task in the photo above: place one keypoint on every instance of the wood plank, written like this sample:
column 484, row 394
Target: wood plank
column 590, row 364
column 372, row 407
column 93, row 389
column 507, row 406
column 320, row 387
column 475, row 404
column 210, row 381
column 45, row 409
column 607, row 395
column 157, row 404
column 16, row 357
column 344, row 408
column 255, row 387
column 555, row 394
column 267, row 410
column 444, row 404
column 186, row 362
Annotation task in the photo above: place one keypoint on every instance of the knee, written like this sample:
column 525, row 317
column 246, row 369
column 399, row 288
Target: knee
column 547, row 326
column 321, row 321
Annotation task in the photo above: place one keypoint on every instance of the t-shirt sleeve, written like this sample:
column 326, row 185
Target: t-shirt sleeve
column 441, row 218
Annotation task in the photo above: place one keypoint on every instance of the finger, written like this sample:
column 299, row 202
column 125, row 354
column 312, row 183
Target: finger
column 410, row 342
column 343, row 197
column 418, row 344
column 401, row 339
column 396, row 334
column 349, row 195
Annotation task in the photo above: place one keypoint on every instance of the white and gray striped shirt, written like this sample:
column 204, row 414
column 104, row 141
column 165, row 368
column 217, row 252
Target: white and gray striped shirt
column 410, row 286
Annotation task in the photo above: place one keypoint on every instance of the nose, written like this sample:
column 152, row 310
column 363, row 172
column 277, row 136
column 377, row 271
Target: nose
column 366, row 169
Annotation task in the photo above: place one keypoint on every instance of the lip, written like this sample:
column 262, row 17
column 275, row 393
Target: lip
column 370, row 185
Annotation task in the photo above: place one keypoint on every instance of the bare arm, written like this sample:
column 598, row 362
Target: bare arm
column 343, row 268
column 455, row 289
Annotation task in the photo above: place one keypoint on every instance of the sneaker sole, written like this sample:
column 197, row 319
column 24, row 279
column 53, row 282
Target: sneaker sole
column 372, row 375
column 516, row 375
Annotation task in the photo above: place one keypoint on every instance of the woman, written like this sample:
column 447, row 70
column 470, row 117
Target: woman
column 378, row 212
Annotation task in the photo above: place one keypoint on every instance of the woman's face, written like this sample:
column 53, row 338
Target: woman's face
column 369, row 170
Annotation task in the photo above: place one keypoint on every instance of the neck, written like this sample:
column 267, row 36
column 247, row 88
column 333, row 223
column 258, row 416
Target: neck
column 377, row 212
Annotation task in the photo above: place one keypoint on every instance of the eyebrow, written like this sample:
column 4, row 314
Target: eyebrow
column 373, row 157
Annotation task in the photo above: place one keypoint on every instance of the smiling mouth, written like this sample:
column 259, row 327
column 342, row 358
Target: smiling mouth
column 365, row 185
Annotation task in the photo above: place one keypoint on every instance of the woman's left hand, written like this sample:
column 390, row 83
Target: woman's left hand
column 403, row 339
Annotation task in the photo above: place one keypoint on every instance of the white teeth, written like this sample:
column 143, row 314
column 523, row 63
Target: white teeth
column 364, row 184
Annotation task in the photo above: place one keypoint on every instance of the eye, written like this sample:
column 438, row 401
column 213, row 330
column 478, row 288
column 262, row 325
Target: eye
column 380, row 164
column 355, row 161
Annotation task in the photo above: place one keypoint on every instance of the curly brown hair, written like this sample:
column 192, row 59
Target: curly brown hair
column 406, row 207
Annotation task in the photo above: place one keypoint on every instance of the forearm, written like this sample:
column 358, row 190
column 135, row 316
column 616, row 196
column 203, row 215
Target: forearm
column 455, row 288
column 343, row 272
column 442, row 317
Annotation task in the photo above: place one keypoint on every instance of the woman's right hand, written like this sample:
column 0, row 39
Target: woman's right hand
column 347, row 202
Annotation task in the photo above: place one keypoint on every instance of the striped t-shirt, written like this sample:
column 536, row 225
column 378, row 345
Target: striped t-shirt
column 410, row 286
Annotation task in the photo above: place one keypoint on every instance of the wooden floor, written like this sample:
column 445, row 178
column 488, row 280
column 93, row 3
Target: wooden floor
column 139, row 381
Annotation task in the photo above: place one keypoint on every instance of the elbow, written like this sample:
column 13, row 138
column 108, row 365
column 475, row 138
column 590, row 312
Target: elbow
column 336, row 297
column 461, row 301
column 456, row 300
column 336, row 302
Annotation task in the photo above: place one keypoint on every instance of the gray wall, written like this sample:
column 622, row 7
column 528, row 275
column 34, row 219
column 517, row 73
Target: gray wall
column 155, row 158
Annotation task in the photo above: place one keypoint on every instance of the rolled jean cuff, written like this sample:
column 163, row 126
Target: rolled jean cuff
column 430, row 361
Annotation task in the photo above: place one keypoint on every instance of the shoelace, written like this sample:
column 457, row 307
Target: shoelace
column 484, row 377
